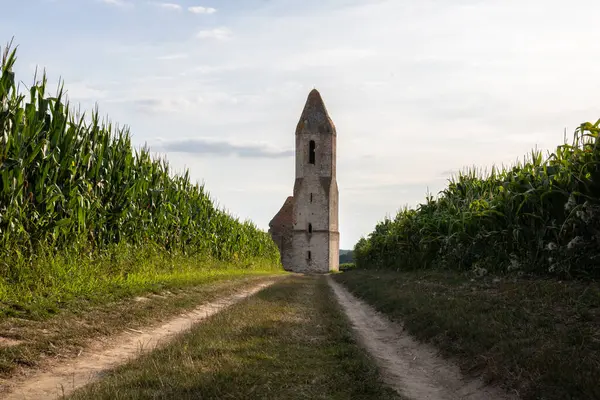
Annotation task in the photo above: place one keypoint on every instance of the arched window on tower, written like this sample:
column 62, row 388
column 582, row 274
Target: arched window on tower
column 311, row 152
column 309, row 228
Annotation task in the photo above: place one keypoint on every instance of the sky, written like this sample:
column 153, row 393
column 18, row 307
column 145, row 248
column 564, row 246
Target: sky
column 417, row 89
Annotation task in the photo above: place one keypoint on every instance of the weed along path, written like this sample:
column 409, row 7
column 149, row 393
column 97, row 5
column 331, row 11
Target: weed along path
column 64, row 378
column 412, row 368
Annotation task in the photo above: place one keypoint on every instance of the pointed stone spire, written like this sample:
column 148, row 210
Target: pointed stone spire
column 315, row 116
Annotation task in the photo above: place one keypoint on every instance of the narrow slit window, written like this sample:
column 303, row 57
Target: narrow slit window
column 311, row 197
column 309, row 228
column 311, row 152
column 309, row 255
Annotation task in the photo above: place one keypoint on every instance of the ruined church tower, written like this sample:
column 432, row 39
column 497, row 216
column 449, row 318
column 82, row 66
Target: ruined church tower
column 306, row 227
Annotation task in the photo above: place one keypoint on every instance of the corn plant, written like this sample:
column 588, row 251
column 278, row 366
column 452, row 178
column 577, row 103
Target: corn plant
column 74, row 184
column 541, row 216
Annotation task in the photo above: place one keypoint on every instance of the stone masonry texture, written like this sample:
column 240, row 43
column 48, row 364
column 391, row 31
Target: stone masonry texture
column 306, row 227
column 281, row 230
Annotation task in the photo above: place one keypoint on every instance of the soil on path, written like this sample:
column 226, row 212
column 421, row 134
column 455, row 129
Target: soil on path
column 63, row 379
column 412, row 368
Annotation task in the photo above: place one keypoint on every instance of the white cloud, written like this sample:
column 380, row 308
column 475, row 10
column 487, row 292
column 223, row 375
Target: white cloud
column 421, row 87
column 79, row 91
column 202, row 10
column 223, row 148
column 169, row 6
column 176, row 56
column 181, row 103
column 327, row 57
column 216, row 33
column 205, row 70
column 117, row 3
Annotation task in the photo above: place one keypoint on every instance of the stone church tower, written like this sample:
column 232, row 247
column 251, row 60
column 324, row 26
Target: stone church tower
column 306, row 227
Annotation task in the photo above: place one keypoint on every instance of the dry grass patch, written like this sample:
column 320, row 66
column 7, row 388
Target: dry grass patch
column 41, row 343
column 290, row 341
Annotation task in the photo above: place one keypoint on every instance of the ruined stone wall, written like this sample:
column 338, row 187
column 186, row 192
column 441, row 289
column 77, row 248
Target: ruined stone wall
column 312, row 204
column 284, row 241
column 315, row 189
column 314, row 215
column 324, row 154
column 334, row 237
column 311, row 214
column 287, row 249
column 334, row 251
column 281, row 230
column 317, row 244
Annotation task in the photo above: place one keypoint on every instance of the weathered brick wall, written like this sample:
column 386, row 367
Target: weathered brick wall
column 317, row 244
column 315, row 189
column 334, row 237
column 281, row 230
column 334, row 251
column 314, row 209
column 315, row 215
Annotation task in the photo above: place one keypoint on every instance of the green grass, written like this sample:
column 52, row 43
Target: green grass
column 290, row 341
column 66, row 333
column 57, row 283
column 538, row 337
column 347, row 266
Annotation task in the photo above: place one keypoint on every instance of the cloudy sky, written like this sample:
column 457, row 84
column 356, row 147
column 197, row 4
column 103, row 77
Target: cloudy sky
column 417, row 88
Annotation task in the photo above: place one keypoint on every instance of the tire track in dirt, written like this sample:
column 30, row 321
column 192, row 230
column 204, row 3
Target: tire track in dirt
column 412, row 368
column 66, row 377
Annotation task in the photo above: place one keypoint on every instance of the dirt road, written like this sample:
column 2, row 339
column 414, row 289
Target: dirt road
column 412, row 368
column 89, row 366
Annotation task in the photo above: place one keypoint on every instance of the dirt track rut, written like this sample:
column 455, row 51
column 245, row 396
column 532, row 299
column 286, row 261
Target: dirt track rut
column 89, row 366
column 412, row 368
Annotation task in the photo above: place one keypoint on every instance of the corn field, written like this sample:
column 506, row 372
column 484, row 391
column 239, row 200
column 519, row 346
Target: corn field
column 71, row 184
column 540, row 217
